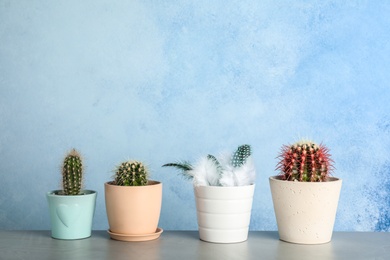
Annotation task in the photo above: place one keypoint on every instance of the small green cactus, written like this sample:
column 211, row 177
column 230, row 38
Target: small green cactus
column 131, row 173
column 241, row 155
column 72, row 173
column 305, row 161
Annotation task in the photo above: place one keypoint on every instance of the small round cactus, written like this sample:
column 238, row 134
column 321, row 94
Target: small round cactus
column 131, row 173
column 72, row 173
column 305, row 161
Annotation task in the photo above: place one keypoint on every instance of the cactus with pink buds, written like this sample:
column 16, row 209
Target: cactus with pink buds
column 305, row 161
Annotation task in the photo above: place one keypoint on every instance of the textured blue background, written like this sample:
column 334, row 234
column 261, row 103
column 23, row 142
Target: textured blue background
column 159, row 81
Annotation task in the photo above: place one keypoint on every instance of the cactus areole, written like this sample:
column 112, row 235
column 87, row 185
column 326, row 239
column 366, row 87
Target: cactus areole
column 305, row 161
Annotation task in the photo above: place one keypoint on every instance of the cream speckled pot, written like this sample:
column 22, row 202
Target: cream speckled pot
column 305, row 211
column 224, row 212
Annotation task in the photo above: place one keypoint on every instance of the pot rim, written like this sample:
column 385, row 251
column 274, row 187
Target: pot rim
column 150, row 183
column 88, row 192
column 224, row 187
column 277, row 178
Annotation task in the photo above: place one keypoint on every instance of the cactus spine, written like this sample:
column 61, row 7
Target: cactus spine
column 305, row 161
column 72, row 173
column 131, row 173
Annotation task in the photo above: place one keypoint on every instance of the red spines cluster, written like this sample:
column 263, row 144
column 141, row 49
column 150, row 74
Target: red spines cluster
column 305, row 161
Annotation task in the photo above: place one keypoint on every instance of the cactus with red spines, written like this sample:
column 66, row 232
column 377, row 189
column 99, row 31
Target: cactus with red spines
column 305, row 161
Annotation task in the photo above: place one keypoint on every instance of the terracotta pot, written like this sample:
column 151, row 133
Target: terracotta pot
column 133, row 210
column 305, row 211
column 224, row 212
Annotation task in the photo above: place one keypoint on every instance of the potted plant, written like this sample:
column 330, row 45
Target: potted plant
column 223, row 190
column 71, row 209
column 305, row 196
column 133, row 203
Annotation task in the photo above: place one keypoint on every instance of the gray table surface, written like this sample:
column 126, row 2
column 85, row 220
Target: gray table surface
column 186, row 245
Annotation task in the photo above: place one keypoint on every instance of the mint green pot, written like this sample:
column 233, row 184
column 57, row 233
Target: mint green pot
column 71, row 216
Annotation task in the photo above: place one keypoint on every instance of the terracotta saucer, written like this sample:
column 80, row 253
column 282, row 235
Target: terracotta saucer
column 136, row 238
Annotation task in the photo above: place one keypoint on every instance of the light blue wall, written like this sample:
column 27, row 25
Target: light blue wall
column 160, row 81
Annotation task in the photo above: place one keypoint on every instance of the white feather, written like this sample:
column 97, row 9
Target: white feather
column 205, row 173
column 237, row 176
column 245, row 174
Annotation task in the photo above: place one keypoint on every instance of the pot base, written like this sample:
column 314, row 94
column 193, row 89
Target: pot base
column 223, row 236
column 305, row 242
column 136, row 238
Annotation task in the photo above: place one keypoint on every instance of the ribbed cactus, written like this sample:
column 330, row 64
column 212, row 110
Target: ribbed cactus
column 72, row 173
column 305, row 161
column 131, row 173
column 241, row 155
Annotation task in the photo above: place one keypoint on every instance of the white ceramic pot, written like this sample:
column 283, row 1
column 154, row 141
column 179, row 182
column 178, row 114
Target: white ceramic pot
column 224, row 212
column 305, row 211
